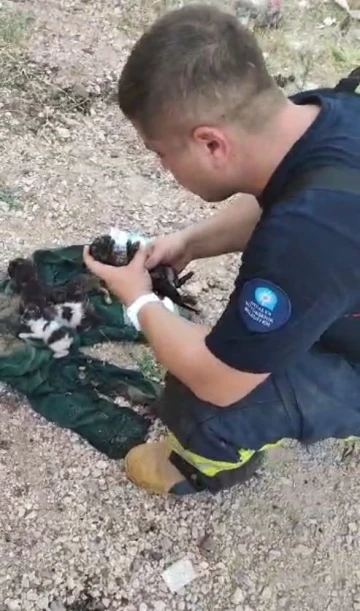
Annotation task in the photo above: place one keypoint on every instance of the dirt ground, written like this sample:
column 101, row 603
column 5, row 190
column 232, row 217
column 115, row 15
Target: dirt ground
column 75, row 535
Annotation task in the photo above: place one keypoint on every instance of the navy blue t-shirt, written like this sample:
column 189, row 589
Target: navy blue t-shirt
column 299, row 280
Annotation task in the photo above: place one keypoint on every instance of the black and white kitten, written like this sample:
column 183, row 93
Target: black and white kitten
column 55, row 325
column 47, row 314
column 44, row 325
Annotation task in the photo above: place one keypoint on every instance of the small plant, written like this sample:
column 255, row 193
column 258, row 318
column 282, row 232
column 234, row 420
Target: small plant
column 346, row 58
column 14, row 25
column 150, row 367
column 8, row 198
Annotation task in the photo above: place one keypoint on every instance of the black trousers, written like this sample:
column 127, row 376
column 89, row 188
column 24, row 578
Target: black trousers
column 217, row 447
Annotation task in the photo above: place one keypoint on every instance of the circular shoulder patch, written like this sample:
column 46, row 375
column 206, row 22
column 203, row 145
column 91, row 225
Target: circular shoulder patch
column 263, row 306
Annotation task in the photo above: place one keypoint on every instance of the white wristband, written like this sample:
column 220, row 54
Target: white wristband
column 133, row 310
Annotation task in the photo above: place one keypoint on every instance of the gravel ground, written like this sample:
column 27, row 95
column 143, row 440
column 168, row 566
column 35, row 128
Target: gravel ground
column 75, row 534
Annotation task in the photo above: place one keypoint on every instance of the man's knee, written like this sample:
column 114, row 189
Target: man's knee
column 220, row 446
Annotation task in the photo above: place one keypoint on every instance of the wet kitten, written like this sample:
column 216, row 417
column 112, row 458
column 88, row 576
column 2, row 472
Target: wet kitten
column 43, row 325
column 55, row 325
column 165, row 279
column 50, row 315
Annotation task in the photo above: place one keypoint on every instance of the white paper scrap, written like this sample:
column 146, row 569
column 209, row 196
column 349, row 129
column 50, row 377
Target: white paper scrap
column 179, row 574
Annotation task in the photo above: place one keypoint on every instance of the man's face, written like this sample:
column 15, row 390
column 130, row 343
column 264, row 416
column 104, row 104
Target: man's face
column 205, row 162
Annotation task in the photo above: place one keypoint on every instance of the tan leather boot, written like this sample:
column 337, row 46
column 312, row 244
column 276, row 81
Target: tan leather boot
column 148, row 466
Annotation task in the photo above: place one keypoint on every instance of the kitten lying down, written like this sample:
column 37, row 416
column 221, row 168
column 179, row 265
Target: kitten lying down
column 54, row 325
column 52, row 315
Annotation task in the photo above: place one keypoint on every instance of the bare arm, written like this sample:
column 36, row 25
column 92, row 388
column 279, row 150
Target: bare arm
column 179, row 345
column 226, row 231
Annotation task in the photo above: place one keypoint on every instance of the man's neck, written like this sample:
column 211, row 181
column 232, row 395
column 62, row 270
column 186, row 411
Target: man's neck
column 269, row 149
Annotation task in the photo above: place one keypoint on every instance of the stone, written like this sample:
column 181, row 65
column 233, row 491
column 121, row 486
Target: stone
column 31, row 595
column 57, row 605
column 43, row 602
column 63, row 132
column 303, row 550
column 79, row 91
column 266, row 594
column 238, row 596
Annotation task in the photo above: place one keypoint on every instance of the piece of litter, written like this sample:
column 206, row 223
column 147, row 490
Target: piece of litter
column 329, row 21
column 179, row 574
column 355, row 14
column 343, row 4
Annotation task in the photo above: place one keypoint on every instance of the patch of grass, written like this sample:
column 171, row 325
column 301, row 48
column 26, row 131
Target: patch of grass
column 150, row 367
column 350, row 448
column 28, row 87
column 14, row 25
column 346, row 58
column 30, row 91
column 9, row 198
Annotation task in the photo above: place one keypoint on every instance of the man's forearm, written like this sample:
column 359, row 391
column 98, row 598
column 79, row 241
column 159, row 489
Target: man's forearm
column 179, row 345
column 226, row 231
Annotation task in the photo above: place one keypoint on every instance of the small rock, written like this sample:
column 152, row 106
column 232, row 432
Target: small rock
column 194, row 289
column 208, row 543
column 63, row 132
column 275, row 553
column 79, row 91
column 159, row 605
column 25, row 582
column 328, row 21
column 238, row 596
column 31, row 595
column 57, row 605
column 310, row 85
column 21, row 512
column 303, row 550
column 266, row 594
column 13, row 605
column 143, row 607
column 43, row 602
column 166, row 544
column 353, row 527
column 4, row 206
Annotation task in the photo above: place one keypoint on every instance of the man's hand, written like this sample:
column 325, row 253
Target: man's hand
column 126, row 283
column 179, row 345
column 171, row 249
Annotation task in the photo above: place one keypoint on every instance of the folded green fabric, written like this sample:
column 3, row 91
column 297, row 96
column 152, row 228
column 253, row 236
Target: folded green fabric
column 76, row 392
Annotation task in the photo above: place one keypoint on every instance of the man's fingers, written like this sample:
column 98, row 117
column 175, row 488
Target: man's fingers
column 98, row 269
column 153, row 257
column 139, row 259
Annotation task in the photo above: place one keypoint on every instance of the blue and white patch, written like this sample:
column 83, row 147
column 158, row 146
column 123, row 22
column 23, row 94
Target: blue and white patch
column 264, row 306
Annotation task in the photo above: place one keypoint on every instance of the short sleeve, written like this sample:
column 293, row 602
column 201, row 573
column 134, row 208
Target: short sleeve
column 291, row 287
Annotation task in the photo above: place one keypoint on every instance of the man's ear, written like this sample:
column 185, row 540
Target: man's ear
column 214, row 141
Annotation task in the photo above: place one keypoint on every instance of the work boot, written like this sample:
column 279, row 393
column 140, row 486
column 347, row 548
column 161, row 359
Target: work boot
column 148, row 466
